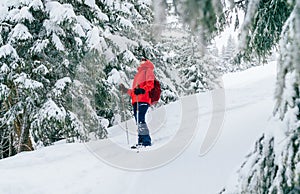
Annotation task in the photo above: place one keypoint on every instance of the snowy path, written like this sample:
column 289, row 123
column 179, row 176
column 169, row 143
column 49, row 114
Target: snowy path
column 198, row 143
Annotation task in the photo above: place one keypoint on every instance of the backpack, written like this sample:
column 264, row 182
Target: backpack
column 155, row 92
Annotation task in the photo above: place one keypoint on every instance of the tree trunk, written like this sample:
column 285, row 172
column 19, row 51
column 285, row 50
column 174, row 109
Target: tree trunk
column 22, row 131
column 24, row 138
column 10, row 145
column 1, row 149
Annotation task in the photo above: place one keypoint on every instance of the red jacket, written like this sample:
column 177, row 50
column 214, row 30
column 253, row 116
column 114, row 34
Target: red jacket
column 143, row 79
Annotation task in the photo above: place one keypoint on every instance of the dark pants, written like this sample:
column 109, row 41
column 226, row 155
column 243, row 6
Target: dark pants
column 143, row 131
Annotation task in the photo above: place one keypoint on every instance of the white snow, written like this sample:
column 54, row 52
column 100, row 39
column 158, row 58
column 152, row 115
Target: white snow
column 109, row 2
column 85, row 24
column 41, row 69
column 145, row 2
column 40, row 45
column 78, row 29
column 36, row 5
column 24, row 82
column 251, row 11
column 90, row 3
column 4, row 90
column 60, row 13
column 114, row 77
column 4, row 69
column 57, row 43
column 11, row 14
column 60, row 85
column 94, row 40
column 198, row 142
column 23, row 14
column 3, row 12
column 52, row 27
column 78, row 41
column 15, row 3
column 51, row 110
column 125, row 23
column 122, row 42
column 101, row 16
column 240, row 79
column 123, row 7
column 8, row 50
column 19, row 33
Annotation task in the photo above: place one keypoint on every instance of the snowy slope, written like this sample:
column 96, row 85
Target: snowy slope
column 198, row 142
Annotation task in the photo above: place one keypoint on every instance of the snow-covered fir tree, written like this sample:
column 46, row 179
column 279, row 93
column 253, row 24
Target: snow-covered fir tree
column 42, row 44
column 55, row 58
column 189, row 52
column 199, row 72
column 273, row 166
column 229, row 55
column 62, row 61
column 229, row 50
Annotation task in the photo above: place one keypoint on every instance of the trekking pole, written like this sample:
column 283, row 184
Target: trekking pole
column 137, row 112
column 124, row 111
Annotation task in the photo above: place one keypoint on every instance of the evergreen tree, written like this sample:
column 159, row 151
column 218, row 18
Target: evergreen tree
column 256, row 40
column 42, row 47
column 60, row 59
column 273, row 166
column 191, row 57
column 229, row 51
column 206, row 14
column 198, row 72
column 55, row 60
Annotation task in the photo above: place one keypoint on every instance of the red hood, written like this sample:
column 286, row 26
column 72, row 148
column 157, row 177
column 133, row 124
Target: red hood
column 146, row 65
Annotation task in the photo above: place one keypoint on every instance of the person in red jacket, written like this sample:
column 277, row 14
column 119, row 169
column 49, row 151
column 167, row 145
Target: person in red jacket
column 142, row 84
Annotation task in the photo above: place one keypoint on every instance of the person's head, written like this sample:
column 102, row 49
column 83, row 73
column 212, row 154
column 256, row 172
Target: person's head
column 143, row 60
column 145, row 63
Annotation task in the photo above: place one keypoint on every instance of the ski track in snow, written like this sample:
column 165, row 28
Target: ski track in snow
column 73, row 168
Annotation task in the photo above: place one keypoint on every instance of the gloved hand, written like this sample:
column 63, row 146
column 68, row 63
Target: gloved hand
column 123, row 89
column 138, row 91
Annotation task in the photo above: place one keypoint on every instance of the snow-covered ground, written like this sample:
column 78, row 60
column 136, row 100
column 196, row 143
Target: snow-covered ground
column 198, row 143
